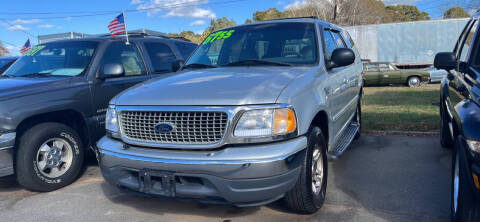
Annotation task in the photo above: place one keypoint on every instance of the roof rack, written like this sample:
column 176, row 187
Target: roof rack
column 151, row 33
column 302, row 17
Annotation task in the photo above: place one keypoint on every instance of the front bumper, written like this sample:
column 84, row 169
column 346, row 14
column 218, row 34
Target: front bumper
column 242, row 176
column 7, row 142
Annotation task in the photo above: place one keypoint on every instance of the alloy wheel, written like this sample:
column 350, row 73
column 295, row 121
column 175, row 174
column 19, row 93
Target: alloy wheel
column 54, row 157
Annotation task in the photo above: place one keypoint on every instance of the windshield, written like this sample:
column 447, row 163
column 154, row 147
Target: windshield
column 58, row 59
column 279, row 43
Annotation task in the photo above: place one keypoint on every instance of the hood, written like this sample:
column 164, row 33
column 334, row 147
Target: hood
column 218, row 86
column 20, row 86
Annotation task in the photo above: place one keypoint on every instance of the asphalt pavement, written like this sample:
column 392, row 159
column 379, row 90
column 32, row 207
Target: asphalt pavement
column 386, row 178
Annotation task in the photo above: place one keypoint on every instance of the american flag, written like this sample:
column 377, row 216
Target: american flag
column 26, row 47
column 117, row 25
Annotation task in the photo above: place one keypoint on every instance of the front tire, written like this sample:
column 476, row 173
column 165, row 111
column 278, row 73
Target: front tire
column 50, row 156
column 464, row 208
column 308, row 195
column 414, row 81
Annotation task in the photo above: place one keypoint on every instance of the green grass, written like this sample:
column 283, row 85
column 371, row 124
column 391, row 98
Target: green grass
column 401, row 108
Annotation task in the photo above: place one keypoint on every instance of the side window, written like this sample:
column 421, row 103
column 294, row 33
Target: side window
column 161, row 56
column 329, row 44
column 372, row 68
column 383, row 67
column 127, row 55
column 468, row 43
column 460, row 39
column 339, row 40
column 186, row 48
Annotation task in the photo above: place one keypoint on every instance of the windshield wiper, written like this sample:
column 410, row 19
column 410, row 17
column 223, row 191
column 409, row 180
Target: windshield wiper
column 249, row 62
column 37, row 74
column 199, row 65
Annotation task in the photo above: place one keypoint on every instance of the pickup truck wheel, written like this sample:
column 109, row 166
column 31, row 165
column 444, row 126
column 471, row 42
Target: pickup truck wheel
column 445, row 136
column 309, row 192
column 50, row 156
column 464, row 207
column 414, row 81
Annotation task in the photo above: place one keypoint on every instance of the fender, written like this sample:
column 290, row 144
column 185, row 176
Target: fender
column 467, row 119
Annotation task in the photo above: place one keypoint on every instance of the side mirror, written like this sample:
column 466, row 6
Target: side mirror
column 177, row 64
column 446, row 61
column 341, row 57
column 112, row 70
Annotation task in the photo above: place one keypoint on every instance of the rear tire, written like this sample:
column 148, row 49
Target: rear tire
column 464, row 207
column 414, row 81
column 308, row 195
column 50, row 156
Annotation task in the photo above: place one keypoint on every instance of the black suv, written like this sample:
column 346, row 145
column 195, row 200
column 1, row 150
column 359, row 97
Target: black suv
column 54, row 98
column 460, row 114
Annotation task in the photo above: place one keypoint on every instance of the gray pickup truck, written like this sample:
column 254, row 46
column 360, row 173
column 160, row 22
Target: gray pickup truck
column 54, row 98
column 253, row 117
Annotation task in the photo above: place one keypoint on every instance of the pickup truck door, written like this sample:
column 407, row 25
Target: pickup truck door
column 103, row 90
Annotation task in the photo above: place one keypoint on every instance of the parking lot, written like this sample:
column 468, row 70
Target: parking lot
column 378, row 179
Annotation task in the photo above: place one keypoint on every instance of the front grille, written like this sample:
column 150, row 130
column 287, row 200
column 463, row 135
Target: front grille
column 188, row 127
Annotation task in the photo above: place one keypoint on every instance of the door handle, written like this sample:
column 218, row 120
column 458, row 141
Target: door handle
column 345, row 81
column 450, row 76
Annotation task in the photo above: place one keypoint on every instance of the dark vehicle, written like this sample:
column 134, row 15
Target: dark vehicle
column 54, row 98
column 460, row 120
column 385, row 73
column 6, row 62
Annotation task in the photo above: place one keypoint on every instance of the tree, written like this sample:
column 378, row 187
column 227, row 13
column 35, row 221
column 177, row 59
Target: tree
column 404, row 13
column 3, row 50
column 272, row 13
column 455, row 12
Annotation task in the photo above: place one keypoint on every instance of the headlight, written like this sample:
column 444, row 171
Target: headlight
column 266, row 122
column 474, row 145
column 111, row 123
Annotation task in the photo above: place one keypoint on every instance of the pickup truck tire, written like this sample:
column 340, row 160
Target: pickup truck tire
column 468, row 210
column 414, row 81
column 445, row 137
column 50, row 156
column 302, row 198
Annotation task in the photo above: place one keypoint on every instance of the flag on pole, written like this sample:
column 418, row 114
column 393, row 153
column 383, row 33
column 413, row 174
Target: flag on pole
column 117, row 25
column 26, row 47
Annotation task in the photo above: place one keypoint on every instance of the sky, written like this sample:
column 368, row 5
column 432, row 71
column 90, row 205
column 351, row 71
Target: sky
column 23, row 19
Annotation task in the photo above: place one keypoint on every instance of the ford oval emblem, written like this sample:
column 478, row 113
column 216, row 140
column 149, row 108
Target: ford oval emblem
column 164, row 127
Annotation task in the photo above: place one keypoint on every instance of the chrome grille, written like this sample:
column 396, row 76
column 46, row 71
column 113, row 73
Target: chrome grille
column 189, row 127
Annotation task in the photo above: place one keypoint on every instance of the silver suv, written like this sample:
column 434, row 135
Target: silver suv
column 252, row 118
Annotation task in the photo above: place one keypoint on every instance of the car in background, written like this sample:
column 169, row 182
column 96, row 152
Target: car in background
column 436, row 75
column 460, row 120
column 53, row 100
column 6, row 62
column 385, row 73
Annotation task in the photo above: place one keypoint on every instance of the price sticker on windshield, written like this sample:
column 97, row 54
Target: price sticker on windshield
column 34, row 50
column 218, row 35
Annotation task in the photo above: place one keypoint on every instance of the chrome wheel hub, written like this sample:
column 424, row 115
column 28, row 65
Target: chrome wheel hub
column 456, row 183
column 54, row 157
column 413, row 81
column 317, row 171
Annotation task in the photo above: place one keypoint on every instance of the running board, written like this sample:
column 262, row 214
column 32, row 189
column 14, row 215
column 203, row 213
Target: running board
column 344, row 141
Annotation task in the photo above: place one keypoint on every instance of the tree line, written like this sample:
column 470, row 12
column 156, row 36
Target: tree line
column 348, row 13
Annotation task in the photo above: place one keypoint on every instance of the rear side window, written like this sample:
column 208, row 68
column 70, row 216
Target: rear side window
column 468, row 43
column 161, row 56
column 371, row 68
column 186, row 49
column 384, row 67
column 329, row 44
